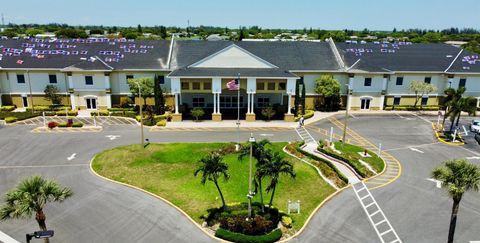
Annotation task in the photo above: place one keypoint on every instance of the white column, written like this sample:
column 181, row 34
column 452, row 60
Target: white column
column 214, row 103
column 1, row 100
column 289, row 104
column 252, row 102
column 248, row 103
column 218, row 103
column 176, row 103
column 384, row 84
column 70, row 81
column 72, row 101
column 349, row 101
column 109, row 100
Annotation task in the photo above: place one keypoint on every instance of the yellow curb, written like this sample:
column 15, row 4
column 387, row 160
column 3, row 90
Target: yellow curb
column 443, row 141
column 156, row 196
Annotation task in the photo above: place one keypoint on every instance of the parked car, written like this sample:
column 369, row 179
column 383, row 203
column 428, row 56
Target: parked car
column 477, row 137
column 475, row 126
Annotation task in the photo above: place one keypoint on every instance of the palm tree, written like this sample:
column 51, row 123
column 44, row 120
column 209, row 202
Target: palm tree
column 457, row 106
column 212, row 168
column 259, row 152
column 273, row 168
column 449, row 96
column 457, row 177
column 30, row 196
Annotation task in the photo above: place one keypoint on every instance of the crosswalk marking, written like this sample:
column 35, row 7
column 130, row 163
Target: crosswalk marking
column 360, row 186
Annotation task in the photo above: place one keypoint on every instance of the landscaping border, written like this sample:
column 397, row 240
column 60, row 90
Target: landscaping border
column 437, row 135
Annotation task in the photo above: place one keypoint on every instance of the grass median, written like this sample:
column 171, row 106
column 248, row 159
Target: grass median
column 167, row 170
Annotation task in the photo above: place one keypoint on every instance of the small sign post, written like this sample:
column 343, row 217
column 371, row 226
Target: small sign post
column 294, row 206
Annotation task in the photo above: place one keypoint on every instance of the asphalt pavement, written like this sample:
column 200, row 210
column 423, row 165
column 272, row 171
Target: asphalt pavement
column 102, row 211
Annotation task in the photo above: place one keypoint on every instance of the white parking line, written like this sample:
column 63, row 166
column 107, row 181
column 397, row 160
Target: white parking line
column 6, row 238
column 416, row 150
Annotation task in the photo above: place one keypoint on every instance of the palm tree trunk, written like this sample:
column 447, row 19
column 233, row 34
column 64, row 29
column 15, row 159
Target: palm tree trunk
column 453, row 219
column 221, row 195
column 444, row 118
column 261, row 194
column 273, row 194
column 41, row 218
column 458, row 118
column 452, row 121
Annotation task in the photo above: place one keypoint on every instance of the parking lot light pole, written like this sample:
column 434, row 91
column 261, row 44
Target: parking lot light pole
column 346, row 115
column 141, row 113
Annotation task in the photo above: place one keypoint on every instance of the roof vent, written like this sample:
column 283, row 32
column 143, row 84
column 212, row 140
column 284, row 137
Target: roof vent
column 449, row 56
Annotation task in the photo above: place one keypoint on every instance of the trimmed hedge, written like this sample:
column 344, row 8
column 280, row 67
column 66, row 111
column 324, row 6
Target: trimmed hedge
column 19, row 115
column 99, row 113
column 411, row 108
column 357, row 166
column 120, row 109
column 308, row 114
column 131, row 114
column 7, row 108
column 70, row 113
column 162, row 123
column 314, row 157
column 10, row 119
column 273, row 236
column 40, row 108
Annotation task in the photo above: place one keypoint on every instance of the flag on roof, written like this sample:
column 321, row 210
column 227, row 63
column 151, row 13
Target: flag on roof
column 233, row 84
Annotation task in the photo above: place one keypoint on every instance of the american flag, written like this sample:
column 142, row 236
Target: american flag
column 233, row 84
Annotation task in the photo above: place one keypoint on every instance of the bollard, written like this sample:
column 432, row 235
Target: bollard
column 331, row 134
column 380, row 149
column 44, row 122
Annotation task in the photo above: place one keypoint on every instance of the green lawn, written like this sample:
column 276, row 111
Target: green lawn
column 351, row 151
column 167, row 170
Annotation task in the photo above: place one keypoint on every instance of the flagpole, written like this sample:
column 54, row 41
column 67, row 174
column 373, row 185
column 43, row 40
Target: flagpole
column 238, row 110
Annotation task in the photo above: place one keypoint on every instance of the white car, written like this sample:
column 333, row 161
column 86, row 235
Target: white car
column 475, row 126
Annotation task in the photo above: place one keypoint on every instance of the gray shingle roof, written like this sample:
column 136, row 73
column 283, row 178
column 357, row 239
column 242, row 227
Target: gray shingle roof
column 231, row 72
column 285, row 55
column 139, row 54
column 466, row 62
column 398, row 58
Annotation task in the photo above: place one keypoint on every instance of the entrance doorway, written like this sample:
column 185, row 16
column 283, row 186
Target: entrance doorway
column 25, row 101
column 365, row 103
column 91, row 103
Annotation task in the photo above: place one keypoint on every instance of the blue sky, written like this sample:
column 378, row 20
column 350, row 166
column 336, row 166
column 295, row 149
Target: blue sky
column 336, row 14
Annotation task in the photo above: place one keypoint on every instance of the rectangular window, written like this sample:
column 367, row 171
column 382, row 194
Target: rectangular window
column 198, row 102
column 282, row 86
column 52, row 78
column 396, row 101
column 20, row 78
column 263, row 102
column 196, row 85
column 161, row 79
column 271, row 86
column 428, row 80
column 260, row 86
column 368, row 82
column 207, row 85
column 185, row 86
column 424, row 100
column 399, row 81
column 462, row 82
column 88, row 80
column 129, row 76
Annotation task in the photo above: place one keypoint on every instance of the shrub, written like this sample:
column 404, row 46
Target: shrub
column 287, row 221
column 162, row 123
column 19, row 115
column 197, row 112
column 62, row 124
column 120, row 109
column 308, row 114
column 11, row 119
column 50, row 113
column 52, row 125
column 268, row 112
column 77, row 124
column 100, row 113
column 241, row 238
column 7, row 108
column 70, row 113
column 40, row 108
column 328, row 163
column 357, row 166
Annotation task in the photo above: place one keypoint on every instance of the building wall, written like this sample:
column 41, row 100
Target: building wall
column 309, row 80
column 410, row 100
column 438, row 80
column 38, row 81
column 80, row 97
